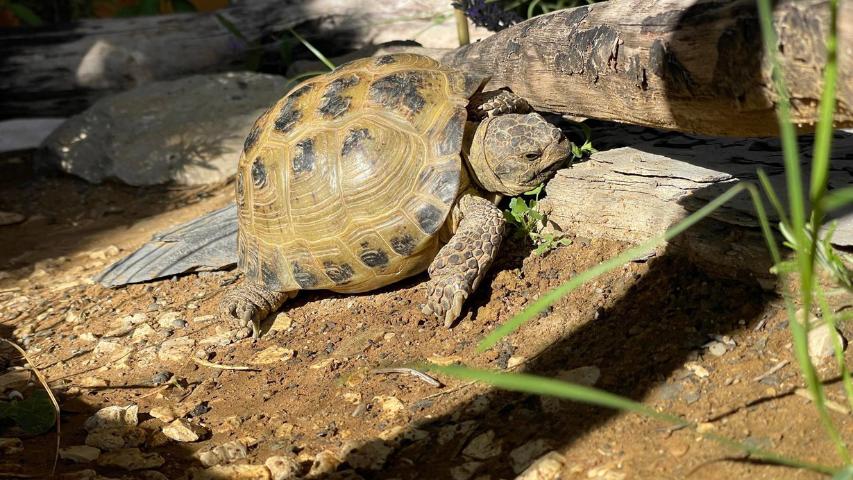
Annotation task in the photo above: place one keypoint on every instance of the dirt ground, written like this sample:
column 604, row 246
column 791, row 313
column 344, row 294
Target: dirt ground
column 645, row 328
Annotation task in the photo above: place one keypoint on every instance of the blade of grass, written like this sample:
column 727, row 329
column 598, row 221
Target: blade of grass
column 829, row 318
column 533, row 384
column 837, row 198
column 771, row 195
column 313, row 50
column 823, row 130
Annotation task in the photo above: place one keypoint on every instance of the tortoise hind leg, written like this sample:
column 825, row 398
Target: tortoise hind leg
column 461, row 264
column 247, row 304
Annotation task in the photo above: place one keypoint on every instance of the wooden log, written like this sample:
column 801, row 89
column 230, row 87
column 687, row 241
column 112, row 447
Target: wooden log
column 688, row 65
column 635, row 193
column 62, row 70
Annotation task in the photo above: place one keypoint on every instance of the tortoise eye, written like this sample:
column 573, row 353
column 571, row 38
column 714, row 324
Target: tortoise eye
column 532, row 155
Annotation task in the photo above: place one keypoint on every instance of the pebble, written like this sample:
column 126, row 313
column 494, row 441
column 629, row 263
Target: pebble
column 697, row 369
column 168, row 319
column 449, row 432
column 199, row 410
column 391, row 407
column 176, row 349
column 225, row 453
column 113, row 416
column 165, row 414
column 368, row 456
column 79, row 453
column 131, row 459
column 142, row 332
column 717, row 349
column 283, row 468
column 705, row 427
column 546, row 467
column 181, row 430
column 161, row 377
column 233, row 472
column 272, row 355
column 465, row 471
column 521, row 457
column 483, row 446
column 281, row 322
column 93, row 382
column 11, row 446
column 324, row 463
column 88, row 337
column 821, row 345
column 110, row 439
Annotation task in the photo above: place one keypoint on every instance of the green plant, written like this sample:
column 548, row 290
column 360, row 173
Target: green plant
column 800, row 227
column 529, row 222
column 24, row 13
column 33, row 414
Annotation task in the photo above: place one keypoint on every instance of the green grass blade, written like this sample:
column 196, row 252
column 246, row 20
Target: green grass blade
column 771, row 195
column 823, row 131
column 531, row 8
column 23, row 12
column 552, row 296
column 313, row 50
column 232, row 29
column 836, row 199
column 520, row 382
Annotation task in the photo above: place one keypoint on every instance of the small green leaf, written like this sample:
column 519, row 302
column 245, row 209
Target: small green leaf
column 231, row 27
column 26, row 15
column 536, row 190
column 35, row 415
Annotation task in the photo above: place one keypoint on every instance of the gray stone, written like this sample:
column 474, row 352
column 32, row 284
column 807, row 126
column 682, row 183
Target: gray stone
column 112, row 417
column 483, row 446
column 820, row 343
column 79, row 453
column 188, row 131
column 25, row 133
column 523, row 456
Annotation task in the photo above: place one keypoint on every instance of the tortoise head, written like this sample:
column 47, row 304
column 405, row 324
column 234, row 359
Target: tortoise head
column 513, row 153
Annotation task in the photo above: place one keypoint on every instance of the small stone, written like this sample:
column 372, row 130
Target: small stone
column 464, row 471
column 167, row 319
column 546, row 467
column 142, row 332
column 449, row 432
column 285, row 430
column 523, row 456
column 181, row 430
column 110, row 439
column 233, row 472
column 165, row 414
column 199, row 410
column 676, row 446
column 705, row 427
column 697, row 369
column 225, row 453
column 391, row 406
column 272, row 355
column 161, row 377
column 821, row 345
column 151, row 475
column 281, row 322
column 368, row 456
column 87, row 474
column 483, row 446
column 717, row 349
column 112, row 417
column 73, row 317
column 176, row 349
column 283, row 468
column 88, row 337
column 11, row 446
column 324, row 463
column 93, row 382
column 130, row 459
column 79, row 453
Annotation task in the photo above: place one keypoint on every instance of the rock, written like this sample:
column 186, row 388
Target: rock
column 546, row 467
column 181, row 430
column 285, row 430
column 391, row 407
column 283, row 468
column 587, row 376
column 821, row 345
column 165, row 414
column 717, row 349
column 25, row 133
column 697, row 369
column 93, row 382
column 176, row 349
column 449, row 432
column 161, row 377
column 272, row 355
column 168, row 319
column 483, row 446
column 112, row 417
column 225, row 453
column 10, row 218
column 233, row 472
column 130, row 459
column 464, row 471
column 281, row 322
column 142, row 332
column 110, row 439
column 368, row 456
column 11, row 446
column 523, row 456
column 324, row 463
column 151, row 475
column 79, row 453
column 186, row 131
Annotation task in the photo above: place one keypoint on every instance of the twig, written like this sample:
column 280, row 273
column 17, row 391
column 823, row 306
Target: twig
column 44, row 384
column 410, row 371
column 773, row 369
column 802, row 392
column 205, row 363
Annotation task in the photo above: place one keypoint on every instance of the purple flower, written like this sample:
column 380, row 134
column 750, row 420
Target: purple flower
column 487, row 14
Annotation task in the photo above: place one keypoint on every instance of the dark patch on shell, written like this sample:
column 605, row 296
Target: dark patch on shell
column 259, row 172
column 403, row 244
column 289, row 114
column 429, row 218
column 451, row 136
column 238, row 187
column 353, row 140
column 303, row 277
column 251, row 138
column 446, row 186
column 374, row 258
column 399, row 91
column 333, row 104
column 338, row 273
column 303, row 160
column 269, row 277
column 385, row 60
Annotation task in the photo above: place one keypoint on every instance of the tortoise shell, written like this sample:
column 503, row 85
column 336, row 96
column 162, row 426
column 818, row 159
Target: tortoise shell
column 344, row 183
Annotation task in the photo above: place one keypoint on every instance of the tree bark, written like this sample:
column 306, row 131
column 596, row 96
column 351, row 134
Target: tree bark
column 688, row 65
column 61, row 71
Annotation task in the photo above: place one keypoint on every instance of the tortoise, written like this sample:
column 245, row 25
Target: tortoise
column 376, row 171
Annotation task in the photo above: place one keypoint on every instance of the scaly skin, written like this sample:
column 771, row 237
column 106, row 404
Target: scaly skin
column 245, row 305
column 462, row 264
column 496, row 102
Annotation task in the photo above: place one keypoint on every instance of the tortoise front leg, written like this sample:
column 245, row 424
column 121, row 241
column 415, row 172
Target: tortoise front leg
column 496, row 102
column 247, row 304
column 461, row 264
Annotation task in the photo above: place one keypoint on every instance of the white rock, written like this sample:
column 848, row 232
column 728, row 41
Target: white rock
column 181, row 430
column 324, row 463
column 111, row 417
column 233, row 472
column 821, row 345
column 283, row 468
column 391, row 406
column 272, row 355
column 225, row 453
column 176, row 349
column 79, row 453
column 521, row 457
column 717, row 349
column 130, row 459
column 546, row 467
column 167, row 319
column 483, row 446
column 142, row 332
column 165, row 414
